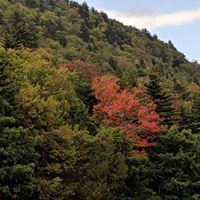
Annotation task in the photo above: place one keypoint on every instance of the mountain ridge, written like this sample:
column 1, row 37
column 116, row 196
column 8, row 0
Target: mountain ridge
column 72, row 31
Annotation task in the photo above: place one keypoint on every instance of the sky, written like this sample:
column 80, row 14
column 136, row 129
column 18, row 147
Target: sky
column 175, row 20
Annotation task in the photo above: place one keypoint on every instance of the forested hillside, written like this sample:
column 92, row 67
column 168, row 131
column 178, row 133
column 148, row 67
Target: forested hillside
column 91, row 109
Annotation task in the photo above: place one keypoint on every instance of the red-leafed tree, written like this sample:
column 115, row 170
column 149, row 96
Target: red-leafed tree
column 86, row 71
column 126, row 110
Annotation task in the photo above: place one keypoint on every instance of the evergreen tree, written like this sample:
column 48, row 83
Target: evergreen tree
column 32, row 3
column 190, row 119
column 84, row 32
column 114, row 65
column 84, row 10
column 173, row 169
column 20, row 35
column 195, row 119
column 18, row 159
column 163, row 99
column 171, row 44
column 116, row 35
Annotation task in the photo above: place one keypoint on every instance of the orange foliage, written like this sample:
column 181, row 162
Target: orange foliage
column 125, row 110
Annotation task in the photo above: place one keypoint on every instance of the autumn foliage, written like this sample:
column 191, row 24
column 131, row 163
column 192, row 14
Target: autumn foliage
column 85, row 70
column 126, row 110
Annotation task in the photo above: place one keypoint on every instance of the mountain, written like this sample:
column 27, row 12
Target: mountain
column 91, row 109
column 70, row 31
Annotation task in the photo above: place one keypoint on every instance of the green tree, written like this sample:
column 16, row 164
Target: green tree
column 190, row 118
column 104, row 166
column 164, row 99
column 18, row 159
column 84, row 10
column 43, row 97
column 78, row 166
column 84, row 32
column 20, row 34
column 173, row 169
column 116, row 34
column 32, row 3
column 57, row 176
column 114, row 65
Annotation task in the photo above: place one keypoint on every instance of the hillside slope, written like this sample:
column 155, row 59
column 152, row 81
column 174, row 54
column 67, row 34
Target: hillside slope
column 91, row 109
column 70, row 31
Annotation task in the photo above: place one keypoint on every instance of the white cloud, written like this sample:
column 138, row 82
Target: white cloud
column 152, row 21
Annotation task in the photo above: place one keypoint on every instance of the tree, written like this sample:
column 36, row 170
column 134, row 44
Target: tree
column 114, row 65
column 85, row 70
column 20, row 35
column 105, row 180
column 32, row 3
column 190, row 118
column 195, row 119
column 51, row 23
column 68, row 168
column 18, row 158
column 164, row 100
column 84, row 10
column 123, row 109
column 84, row 32
column 17, row 149
column 57, row 177
column 173, row 170
column 117, row 35
column 171, row 44
column 43, row 97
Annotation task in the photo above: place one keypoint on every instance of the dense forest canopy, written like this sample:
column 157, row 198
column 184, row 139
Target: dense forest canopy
column 91, row 109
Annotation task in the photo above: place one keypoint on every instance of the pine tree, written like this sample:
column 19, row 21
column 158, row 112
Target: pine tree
column 84, row 32
column 18, row 159
column 195, row 125
column 173, row 167
column 191, row 119
column 84, row 10
column 20, row 35
column 17, row 149
column 163, row 99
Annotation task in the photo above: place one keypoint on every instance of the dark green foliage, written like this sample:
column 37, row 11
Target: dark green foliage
column 146, row 33
column 84, row 33
column 117, row 35
column 84, row 10
column 114, row 65
column 77, row 166
column 18, row 156
column 18, row 33
column 55, row 25
column 178, row 60
column 18, row 159
column 173, row 168
column 8, row 88
column 171, row 44
column 20, row 36
column 190, row 119
column 103, row 166
column 195, row 118
column 61, row 37
column 135, row 188
column 62, row 152
column 163, row 99
column 32, row 3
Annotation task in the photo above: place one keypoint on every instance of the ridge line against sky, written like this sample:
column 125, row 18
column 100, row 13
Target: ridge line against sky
column 177, row 20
